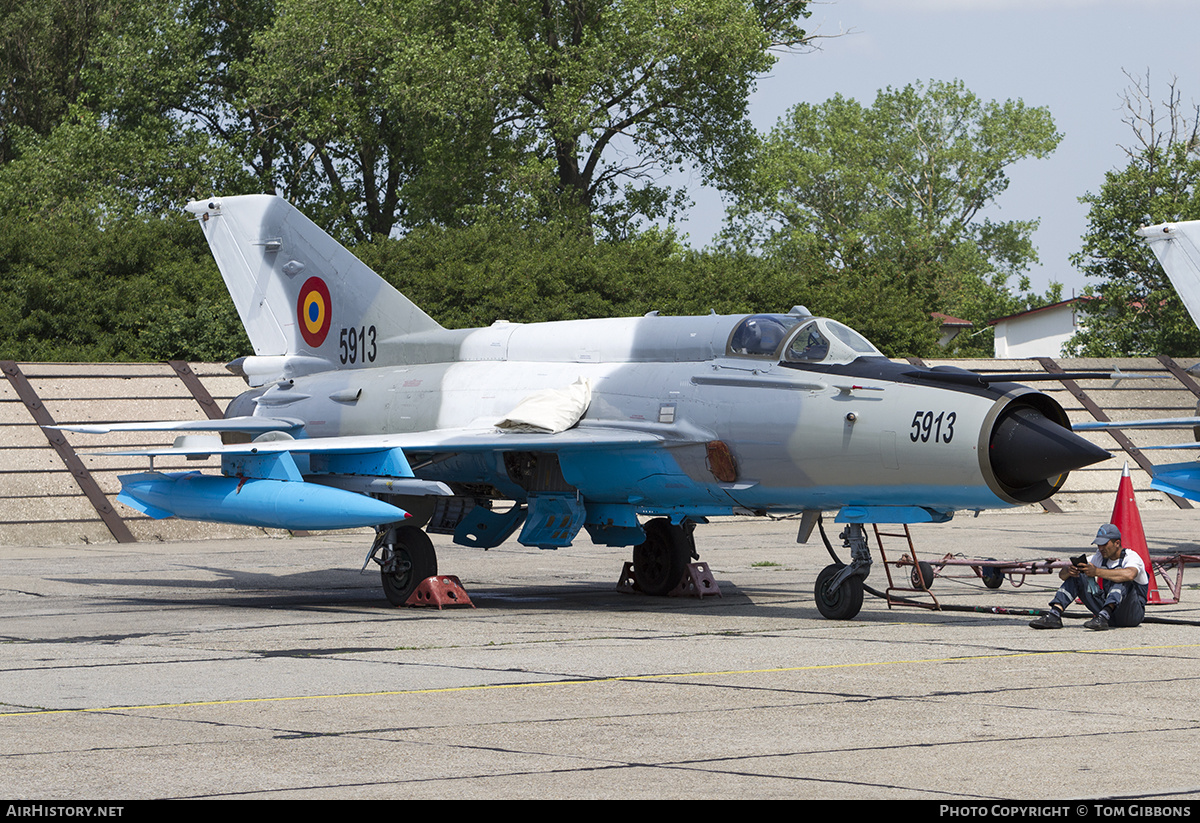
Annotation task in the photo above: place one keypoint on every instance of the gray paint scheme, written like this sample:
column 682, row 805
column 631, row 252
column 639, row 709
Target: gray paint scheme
column 666, row 392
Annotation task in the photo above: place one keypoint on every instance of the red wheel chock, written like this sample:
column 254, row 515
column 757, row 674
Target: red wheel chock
column 697, row 582
column 628, row 582
column 440, row 590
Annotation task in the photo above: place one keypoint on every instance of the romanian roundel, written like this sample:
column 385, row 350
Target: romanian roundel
column 314, row 311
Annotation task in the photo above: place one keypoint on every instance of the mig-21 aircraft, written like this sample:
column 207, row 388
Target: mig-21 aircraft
column 364, row 411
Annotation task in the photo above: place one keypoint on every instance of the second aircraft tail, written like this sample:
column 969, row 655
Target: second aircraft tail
column 1177, row 247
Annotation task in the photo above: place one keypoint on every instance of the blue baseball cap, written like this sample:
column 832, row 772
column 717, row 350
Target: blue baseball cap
column 1107, row 532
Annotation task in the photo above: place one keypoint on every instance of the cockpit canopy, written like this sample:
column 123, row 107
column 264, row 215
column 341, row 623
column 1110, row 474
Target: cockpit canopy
column 798, row 339
column 760, row 335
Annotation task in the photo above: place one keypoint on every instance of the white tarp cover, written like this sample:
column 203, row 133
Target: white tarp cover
column 550, row 411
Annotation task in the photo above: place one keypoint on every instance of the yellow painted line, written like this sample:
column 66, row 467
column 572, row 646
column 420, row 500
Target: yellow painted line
column 593, row 681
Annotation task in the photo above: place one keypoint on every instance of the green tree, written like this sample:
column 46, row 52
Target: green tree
column 500, row 268
column 47, row 48
column 1134, row 310
column 148, row 290
column 323, row 78
column 186, row 61
column 907, row 180
column 98, row 172
column 592, row 100
column 489, row 132
column 110, row 108
column 378, row 115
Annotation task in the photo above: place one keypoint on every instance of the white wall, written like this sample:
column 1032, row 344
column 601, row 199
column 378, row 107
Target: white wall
column 1040, row 334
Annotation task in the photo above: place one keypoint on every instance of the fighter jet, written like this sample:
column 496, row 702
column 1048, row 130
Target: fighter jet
column 364, row 411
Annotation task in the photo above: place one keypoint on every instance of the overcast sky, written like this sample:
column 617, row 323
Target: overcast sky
column 1067, row 55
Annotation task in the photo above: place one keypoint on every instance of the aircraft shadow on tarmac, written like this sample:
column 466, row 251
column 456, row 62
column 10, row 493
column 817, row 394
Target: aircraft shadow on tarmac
column 335, row 589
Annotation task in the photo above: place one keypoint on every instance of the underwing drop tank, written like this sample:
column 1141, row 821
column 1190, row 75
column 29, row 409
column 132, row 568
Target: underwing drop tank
column 271, row 504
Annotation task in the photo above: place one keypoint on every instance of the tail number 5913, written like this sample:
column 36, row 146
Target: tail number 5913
column 925, row 425
column 356, row 345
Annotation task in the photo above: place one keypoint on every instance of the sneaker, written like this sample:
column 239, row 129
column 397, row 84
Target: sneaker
column 1098, row 623
column 1049, row 620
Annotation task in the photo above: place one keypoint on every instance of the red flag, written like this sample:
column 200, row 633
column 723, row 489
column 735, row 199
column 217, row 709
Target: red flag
column 1125, row 516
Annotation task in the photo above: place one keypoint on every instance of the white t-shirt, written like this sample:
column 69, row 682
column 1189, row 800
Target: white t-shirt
column 1127, row 559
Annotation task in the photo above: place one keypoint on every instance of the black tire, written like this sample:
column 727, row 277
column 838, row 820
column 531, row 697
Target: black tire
column 414, row 559
column 992, row 577
column 842, row 603
column 661, row 561
column 922, row 576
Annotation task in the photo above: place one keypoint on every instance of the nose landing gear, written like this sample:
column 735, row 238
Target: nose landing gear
column 839, row 589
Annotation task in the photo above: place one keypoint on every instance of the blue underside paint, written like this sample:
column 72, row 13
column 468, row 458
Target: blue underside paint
column 877, row 504
column 940, row 498
column 891, row 514
column 1180, row 479
column 278, row 504
column 653, row 483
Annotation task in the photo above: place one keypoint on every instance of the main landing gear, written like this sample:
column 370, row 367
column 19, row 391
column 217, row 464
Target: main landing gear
column 405, row 556
column 839, row 589
column 661, row 561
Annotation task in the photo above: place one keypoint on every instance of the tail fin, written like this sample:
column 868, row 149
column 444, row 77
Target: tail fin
column 1177, row 247
column 302, row 296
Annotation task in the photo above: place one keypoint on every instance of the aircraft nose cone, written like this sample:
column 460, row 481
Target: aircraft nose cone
column 1028, row 448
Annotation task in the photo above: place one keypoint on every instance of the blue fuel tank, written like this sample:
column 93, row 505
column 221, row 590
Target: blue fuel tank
column 272, row 504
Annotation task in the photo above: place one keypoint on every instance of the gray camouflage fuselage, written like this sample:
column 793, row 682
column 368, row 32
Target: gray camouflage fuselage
column 800, row 439
column 688, row 416
column 364, row 411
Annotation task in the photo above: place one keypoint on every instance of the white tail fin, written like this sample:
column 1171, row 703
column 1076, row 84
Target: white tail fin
column 1177, row 247
column 301, row 295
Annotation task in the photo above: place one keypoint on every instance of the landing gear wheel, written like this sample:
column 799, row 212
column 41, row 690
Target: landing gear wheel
column 406, row 557
column 661, row 561
column 841, row 603
column 922, row 576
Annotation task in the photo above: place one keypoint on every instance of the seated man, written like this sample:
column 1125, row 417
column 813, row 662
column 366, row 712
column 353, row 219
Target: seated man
column 1125, row 586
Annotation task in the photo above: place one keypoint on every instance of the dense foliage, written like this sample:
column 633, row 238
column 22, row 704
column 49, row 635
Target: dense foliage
column 148, row 291
column 1135, row 310
column 905, row 180
column 492, row 159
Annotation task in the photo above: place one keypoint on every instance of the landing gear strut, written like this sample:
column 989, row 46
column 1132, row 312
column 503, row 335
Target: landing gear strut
column 661, row 561
column 406, row 557
column 839, row 589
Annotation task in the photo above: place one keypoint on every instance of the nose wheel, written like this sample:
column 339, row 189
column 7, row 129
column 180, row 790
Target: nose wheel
column 839, row 589
column 839, row 592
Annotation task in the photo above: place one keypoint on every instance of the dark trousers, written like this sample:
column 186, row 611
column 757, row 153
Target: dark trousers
column 1125, row 602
